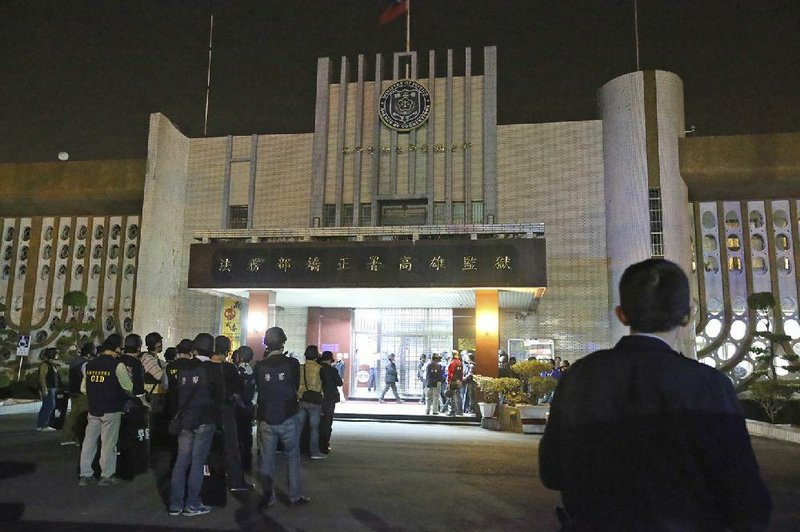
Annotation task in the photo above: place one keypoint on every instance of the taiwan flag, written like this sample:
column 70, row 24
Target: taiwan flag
column 397, row 8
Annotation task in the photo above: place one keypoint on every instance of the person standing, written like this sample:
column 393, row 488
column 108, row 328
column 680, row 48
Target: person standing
column 199, row 387
column 455, row 378
column 310, row 394
column 640, row 437
column 330, row 396
column 107, row 387
column 79, row 405
column 278, row 380
column 130, row 357
column 421, row 365
column 390, row 379
column 183, row 360
column 469, row 388
column 231, row 393
column 244, row 406
column 433, row 381
column 49, row 381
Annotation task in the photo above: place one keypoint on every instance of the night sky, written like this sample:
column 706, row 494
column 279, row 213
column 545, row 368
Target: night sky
column 83, row 76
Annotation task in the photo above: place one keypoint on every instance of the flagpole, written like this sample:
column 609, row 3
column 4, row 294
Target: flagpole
column 636, row 28
column 208, row 77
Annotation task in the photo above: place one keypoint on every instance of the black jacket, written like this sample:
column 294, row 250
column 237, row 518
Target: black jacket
column 391, row 373
column 330, row 383
column 641, row 438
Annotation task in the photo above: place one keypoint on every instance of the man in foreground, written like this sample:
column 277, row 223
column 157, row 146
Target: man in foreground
column 642, row 438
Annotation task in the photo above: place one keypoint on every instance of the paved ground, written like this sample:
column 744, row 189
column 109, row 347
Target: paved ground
column 380, row 477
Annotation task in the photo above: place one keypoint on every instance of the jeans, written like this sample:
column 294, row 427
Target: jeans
column 288, row 434
column 468, row 396
column 455, row 400
column 313, row 413
column 48, row 405
column 106, row 427
column 193, row 448
column 432, row 399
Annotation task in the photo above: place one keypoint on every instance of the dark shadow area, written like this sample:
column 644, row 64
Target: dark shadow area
column 254, row 517
column 11, row 512
column 15, row 469
column 372, row 521
column 55, row 526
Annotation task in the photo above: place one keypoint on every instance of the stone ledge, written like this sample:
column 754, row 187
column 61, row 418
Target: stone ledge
column 19, row 406
column 788, row 433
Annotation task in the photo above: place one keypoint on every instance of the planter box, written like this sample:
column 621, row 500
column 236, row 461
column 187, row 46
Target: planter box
column 487, row 409
column 533, row 418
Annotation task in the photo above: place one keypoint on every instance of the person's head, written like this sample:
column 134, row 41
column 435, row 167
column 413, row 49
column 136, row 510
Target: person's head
column 133, row 344
column 170, row 354
column 391, row 357
column 154, row 342
column 274, row 338
column 456, row 355
column 222, row 346
column 565, row 365
column 243, row 355
column 512, row 361
column 184, row 348
column 312, row 352
column 88, row 350
column 422, row 356
column 503, row 359
column 435, row 357
column 112, row 343
column 326, row 357
column 203, row 344
column 50, row 353
column 653, row 297
column 557, row 361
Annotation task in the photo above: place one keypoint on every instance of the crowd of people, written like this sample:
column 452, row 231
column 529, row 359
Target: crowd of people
column 448, row 383
column 196, row 393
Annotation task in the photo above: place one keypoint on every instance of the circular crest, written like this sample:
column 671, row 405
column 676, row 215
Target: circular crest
column 405, row 105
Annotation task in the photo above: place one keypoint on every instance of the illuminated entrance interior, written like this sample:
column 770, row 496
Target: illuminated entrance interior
column 406, row 332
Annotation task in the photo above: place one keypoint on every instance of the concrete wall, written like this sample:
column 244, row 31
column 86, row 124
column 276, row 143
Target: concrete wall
column 553, row 173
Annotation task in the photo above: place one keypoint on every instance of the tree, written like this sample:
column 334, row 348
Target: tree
column 74, row 330
column 771, row 392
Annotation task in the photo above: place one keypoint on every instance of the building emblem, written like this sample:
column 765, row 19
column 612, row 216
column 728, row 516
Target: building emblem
column 405, row 105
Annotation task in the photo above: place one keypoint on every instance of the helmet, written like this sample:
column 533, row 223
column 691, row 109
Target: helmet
column 243, row 354
column 133, row 343
column 88, row 350
column 203, row 343
column 184, row 346
column 170, row 354
column 274, row 337
column 152, row 339
column 222, row 344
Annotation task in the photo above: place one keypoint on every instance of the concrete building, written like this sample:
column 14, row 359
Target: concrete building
column 441, row 221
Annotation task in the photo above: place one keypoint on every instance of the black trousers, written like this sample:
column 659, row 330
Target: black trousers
column 233, row 462
column 244, row 432
column 326, row 425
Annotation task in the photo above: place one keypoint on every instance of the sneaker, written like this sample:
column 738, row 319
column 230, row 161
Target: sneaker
column 381, row 401
column 85, row 481
column 69, row 442
column 243, row 487
column 109, row 481
column 46, row 429
column 301, row 501
column 319, row 456
column 200, row 510
column 175, row 512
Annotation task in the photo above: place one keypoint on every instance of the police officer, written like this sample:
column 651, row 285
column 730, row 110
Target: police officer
column 278, row 380
column 183, row 360
column 199, row 388
column 107, row 387
column 130, row 357
column 77, row 370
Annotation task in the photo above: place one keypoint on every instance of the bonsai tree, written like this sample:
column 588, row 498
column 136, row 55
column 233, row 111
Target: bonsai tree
column 74, row 330
column 766, row 388
column 537, row 382
column 493, row 387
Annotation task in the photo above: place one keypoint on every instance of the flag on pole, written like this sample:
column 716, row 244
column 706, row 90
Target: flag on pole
column 397, row 8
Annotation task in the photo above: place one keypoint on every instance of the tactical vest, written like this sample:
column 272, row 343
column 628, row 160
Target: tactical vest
column 194, row 395
column 249, row 384
column 103, row 390
column 277, row 397
column 433, row 374
column 135, row 370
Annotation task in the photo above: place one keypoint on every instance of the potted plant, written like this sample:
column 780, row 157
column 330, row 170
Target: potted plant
column 538, row 386
column 493, row 389
column 766, row 387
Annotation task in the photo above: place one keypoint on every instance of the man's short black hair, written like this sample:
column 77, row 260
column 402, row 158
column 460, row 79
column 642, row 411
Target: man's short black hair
column 112, row 342
column 654, row 296
column 222, row 345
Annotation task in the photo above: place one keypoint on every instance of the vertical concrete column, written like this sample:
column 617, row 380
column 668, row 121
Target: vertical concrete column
column 490, row 211
column 487, row 331
column 260, row 317
column 319, row 150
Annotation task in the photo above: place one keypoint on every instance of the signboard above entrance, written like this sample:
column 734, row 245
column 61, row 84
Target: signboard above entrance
column 487, row 263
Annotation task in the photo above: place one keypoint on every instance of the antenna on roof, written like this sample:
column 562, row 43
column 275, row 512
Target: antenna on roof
column 208, row 78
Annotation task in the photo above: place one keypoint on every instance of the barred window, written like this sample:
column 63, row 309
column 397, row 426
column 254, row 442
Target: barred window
column 365, row 216
column 237, row 217
column 477, row 212
column 329, row 215
column 347, row 215
column 656, row 224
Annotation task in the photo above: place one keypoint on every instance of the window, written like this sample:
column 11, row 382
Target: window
column 656, row 225
column 237, row 217
column 477, row 212
column 329, row 215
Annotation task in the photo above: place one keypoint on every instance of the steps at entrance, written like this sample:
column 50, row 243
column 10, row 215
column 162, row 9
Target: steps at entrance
column 409, row 411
